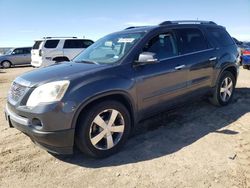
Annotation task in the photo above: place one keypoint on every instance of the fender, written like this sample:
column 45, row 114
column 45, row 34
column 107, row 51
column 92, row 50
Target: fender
column 225, row 62
column 93, row 91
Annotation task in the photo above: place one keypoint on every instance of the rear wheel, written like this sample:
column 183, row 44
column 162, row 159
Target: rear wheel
column 103, row 129
column 224, row 90
column 6, row 64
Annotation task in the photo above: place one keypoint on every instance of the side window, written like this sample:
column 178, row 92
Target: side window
column 220, row 37
column 87, row 43
column 191, row 40
column 27, row 50
column 73, row 44
column 77, row 43
column 163, row 45
column 51, row 43
column 18, row 51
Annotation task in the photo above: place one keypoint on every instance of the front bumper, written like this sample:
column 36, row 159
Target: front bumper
column 59, row 142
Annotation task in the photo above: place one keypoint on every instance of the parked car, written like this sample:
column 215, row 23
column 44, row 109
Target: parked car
column 98, row 98
column 51, row 49
column 246, row 58
column 247, row 44
column 16, row 56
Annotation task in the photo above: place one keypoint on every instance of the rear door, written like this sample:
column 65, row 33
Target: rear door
column 27, row 55
column 160, row 85
column 200, row 58
column 35, row 54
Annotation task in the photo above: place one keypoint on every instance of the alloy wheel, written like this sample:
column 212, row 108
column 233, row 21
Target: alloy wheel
column 106, row 129
column 226, row 89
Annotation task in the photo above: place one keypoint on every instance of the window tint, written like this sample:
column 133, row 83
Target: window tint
column 220, row 37
column 18, row 51
column 27, row 50
column 51, row 43
column 191, row 40
column 36, row 45
column 163, row 46
column 77, row 43
column 87, row 43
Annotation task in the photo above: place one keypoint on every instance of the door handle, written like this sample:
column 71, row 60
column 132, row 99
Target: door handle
column 212, row 58
column 180, row 67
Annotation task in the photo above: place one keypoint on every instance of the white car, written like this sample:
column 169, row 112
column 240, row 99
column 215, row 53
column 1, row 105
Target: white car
column 50, row 50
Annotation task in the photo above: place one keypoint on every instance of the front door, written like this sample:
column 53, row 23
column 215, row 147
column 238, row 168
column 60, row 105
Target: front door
column 160, row 85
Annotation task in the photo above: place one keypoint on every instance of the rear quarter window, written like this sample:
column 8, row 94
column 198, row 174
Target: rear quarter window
column 220, row 37
column 77, row 43
column 51, row 43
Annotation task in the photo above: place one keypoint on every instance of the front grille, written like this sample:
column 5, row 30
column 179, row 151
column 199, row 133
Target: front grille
column 16, row 92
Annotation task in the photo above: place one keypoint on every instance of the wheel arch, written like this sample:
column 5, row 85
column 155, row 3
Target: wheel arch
column 60, row 58
column 230, row 68
column 119, row 96
column 6, row 60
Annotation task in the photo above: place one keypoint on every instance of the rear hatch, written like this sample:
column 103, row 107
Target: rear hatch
column 36, row 52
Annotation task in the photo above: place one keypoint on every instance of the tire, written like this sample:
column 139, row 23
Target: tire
column 87, row 130
column 245, row 67
column 221, row 95
column 6, row 64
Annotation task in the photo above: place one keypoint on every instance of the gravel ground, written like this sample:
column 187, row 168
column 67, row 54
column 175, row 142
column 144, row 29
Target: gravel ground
column 198, row 145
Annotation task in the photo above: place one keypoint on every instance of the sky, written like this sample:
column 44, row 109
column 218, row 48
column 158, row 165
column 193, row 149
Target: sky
column 23, row 21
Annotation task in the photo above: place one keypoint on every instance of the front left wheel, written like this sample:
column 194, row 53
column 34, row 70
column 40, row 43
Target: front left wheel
column 6, row 64
column 103, row 129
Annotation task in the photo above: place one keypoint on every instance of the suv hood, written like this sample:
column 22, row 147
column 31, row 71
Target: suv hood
column 62, row 71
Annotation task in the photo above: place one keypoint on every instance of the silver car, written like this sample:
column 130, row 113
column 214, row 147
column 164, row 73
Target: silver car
column 16, row 56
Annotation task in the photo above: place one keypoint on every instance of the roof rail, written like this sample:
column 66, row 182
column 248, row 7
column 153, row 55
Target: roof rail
column 58, row 37
column 187, row 22
column 132, row 27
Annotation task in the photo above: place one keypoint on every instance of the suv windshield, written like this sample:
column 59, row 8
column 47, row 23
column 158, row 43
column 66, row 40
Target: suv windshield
column 109, row 49
column 9, row 51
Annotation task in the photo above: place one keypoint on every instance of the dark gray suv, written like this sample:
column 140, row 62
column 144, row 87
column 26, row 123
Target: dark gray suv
column 97, row 99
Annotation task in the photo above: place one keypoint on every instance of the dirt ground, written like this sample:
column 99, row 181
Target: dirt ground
column 198, row 145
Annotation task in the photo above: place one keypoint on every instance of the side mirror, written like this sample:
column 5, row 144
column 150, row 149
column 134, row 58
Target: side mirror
column 146, row 58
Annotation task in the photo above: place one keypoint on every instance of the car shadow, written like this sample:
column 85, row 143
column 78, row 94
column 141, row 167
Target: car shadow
column 169, row 132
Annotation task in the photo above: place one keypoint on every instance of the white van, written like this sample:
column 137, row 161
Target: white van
column 49, row 50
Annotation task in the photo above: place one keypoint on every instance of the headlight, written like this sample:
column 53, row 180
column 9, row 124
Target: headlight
column 50, row 92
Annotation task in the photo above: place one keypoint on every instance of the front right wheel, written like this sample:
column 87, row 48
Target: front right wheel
column 103, row 129
column 224, row 90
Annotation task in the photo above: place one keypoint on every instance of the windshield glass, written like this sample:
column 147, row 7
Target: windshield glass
column 109, row 49
column 9, row 51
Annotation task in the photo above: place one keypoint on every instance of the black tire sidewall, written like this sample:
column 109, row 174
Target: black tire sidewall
column 82, row 135
column 223, row 76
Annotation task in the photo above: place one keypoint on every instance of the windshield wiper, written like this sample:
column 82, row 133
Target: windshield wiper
column 88, row 62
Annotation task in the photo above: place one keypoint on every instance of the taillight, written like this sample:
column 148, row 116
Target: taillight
column 40, row 52
column 246, row 52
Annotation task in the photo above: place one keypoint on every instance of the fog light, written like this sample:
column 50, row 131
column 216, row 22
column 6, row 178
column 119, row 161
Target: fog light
column 36, row 122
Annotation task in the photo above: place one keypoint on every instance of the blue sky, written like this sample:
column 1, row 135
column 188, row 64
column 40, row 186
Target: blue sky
column 23, row 21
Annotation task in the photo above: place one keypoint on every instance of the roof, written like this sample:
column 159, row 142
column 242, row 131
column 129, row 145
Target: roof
column 179, row 23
